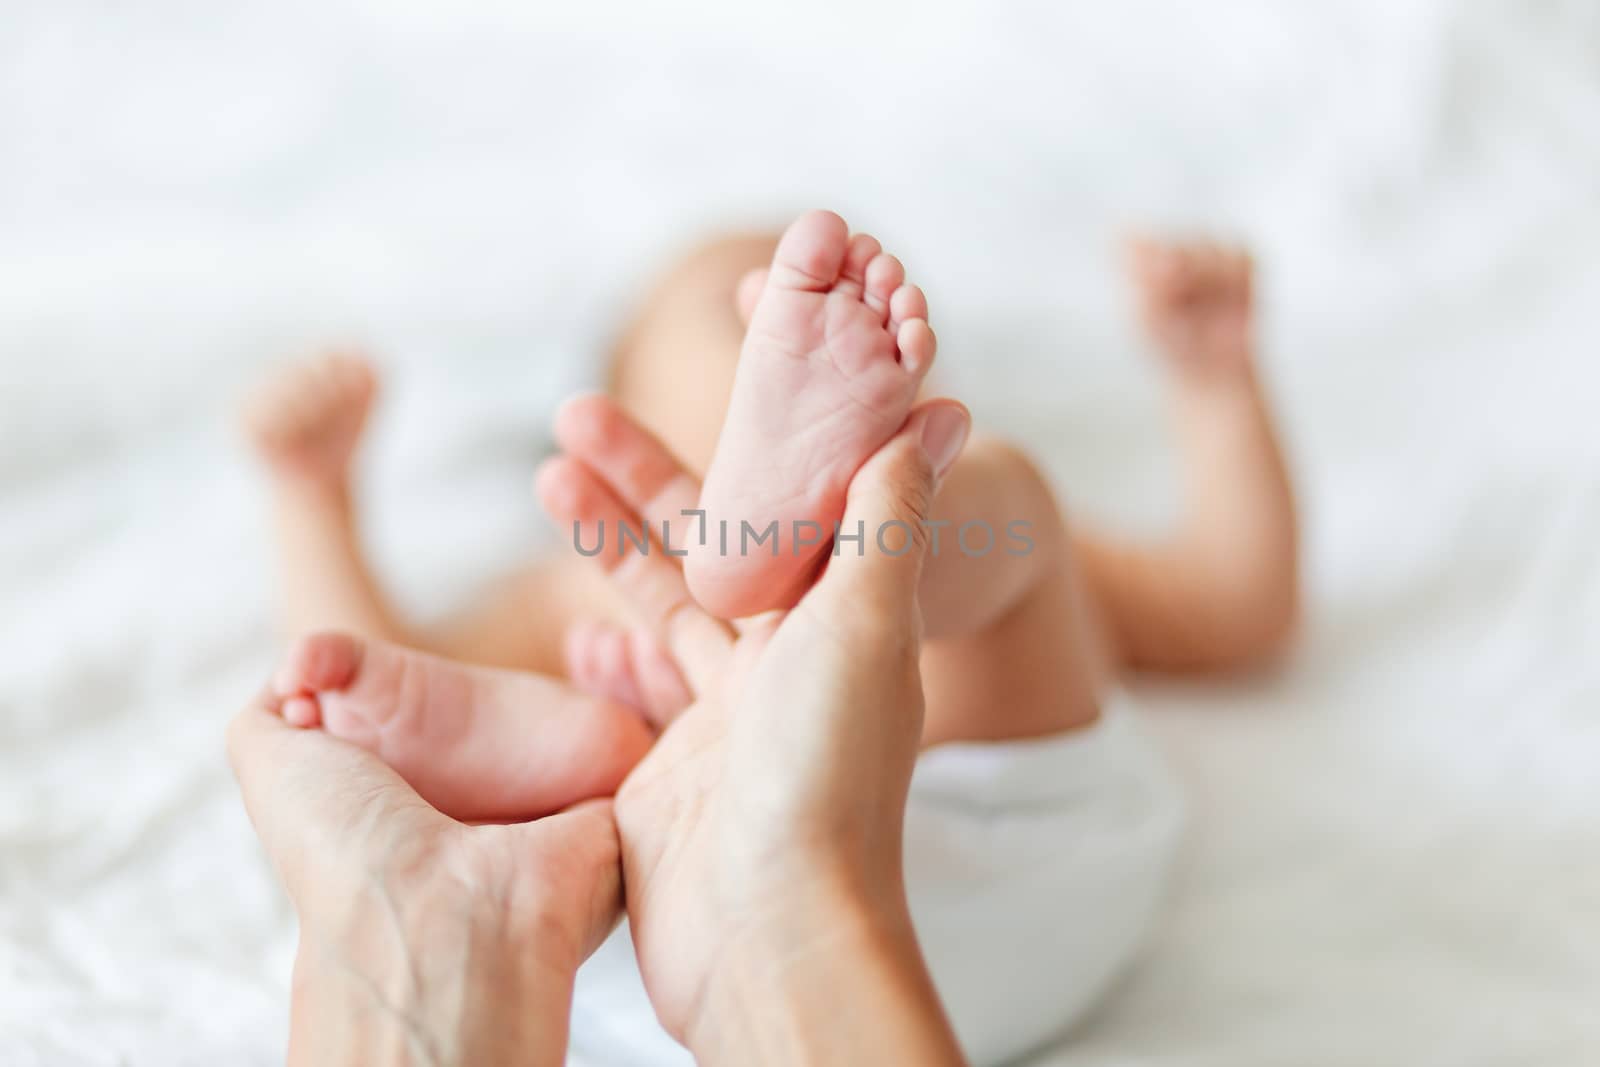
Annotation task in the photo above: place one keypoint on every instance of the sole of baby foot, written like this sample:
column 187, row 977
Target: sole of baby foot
column 838, row 345
column 476, row 743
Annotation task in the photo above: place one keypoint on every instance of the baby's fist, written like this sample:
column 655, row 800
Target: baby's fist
column 1195, row 300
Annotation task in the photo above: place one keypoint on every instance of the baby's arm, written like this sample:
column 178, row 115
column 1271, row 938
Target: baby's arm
column 1222, row 592
column 306, row 425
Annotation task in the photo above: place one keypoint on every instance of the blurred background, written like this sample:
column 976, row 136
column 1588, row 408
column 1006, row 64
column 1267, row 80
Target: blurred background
column 1396, row 847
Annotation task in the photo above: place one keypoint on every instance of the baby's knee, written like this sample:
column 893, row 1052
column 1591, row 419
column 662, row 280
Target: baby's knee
column 720, row 261
column 1004, row 458
column 1025, row 489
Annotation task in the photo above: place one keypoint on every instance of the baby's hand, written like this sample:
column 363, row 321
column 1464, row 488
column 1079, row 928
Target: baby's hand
column 1195, row 300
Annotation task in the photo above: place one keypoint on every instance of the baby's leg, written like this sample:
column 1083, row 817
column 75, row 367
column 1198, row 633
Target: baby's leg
column 306, row 425
column 1223, row 592
column 1012, row 649
column 476, row 743
column 672, row 368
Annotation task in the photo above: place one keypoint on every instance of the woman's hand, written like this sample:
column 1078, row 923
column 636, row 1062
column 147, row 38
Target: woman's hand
column 421, row 939
column 762, row 835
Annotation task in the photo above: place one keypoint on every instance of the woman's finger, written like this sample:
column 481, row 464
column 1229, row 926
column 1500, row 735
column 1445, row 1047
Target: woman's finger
column 642, row 471
column 892, row 494
column 584, row 837
column 579, row 499
column 302, row 786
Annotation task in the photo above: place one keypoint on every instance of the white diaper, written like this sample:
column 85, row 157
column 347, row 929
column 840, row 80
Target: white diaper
column 1033, row 868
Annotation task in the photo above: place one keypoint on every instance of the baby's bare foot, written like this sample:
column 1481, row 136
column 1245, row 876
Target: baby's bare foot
column 1195, row 300
column 306, row 422
column 476, row 743
column 631, row 667
column 837, row 347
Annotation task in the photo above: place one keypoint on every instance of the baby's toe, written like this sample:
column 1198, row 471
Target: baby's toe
column 600, row 663
column 318, row 663
column 853, row 275
column 582, row 653
column 884, row 275
column 917, row 345
column 615, row 666
column 303, row 712
column 907, row 303
column 810, row 253
column 658, row 678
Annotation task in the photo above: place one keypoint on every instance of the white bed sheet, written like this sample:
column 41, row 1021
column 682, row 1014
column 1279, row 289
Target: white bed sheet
column 1396, row 855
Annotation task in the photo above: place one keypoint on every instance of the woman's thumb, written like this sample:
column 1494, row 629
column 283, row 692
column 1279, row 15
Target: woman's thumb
column 880, row 544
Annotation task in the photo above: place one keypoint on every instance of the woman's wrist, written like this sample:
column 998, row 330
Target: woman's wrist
column 835, row 976
column 439, row 981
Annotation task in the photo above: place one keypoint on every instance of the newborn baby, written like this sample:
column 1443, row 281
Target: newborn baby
column 1039, row 828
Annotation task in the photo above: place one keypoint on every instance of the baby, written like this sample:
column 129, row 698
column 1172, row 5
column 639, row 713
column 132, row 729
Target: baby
column 1039, row 828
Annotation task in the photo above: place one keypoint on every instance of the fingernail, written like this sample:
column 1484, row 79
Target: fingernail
column 944, row 431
